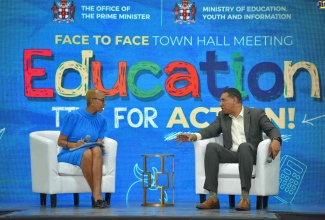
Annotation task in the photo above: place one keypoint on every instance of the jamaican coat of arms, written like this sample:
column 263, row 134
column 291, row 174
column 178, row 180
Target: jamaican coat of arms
column 184, row 12
column 63, row 11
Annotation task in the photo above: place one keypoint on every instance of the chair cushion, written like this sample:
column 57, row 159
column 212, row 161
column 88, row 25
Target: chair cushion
column 66, row 169
column 230, row 170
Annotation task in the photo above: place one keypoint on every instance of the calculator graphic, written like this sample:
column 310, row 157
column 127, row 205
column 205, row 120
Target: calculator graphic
column 292, row 173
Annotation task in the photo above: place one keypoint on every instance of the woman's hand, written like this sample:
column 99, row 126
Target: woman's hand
column 101, row 143
column 63, row 142
column 78, row 144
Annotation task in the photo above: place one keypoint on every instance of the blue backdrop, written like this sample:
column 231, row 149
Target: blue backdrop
column 162, row 65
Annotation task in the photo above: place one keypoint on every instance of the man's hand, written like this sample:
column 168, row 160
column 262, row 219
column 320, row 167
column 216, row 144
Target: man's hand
column 275, row 148
column 185, row 138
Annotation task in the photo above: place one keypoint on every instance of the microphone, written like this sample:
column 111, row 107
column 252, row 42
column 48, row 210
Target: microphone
column 87, row 138
column 269, row 158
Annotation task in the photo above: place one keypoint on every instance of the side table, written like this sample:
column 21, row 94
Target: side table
column 169, row 175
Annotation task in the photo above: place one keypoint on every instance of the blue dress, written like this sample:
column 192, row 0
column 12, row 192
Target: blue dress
column 76, row 126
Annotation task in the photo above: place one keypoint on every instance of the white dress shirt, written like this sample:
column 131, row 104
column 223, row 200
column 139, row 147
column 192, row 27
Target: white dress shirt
column 237, row 131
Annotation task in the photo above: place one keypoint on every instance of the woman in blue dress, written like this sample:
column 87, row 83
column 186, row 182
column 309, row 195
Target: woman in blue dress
column 79, row 127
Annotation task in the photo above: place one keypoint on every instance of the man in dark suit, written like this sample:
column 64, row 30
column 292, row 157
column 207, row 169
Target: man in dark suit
column 242, row 128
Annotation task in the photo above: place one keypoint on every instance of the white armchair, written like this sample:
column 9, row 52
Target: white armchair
column 51, row 177
column 265, row 180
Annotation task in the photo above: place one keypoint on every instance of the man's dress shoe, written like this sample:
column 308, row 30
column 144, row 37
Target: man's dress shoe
column 209, row 204
column 243, row 205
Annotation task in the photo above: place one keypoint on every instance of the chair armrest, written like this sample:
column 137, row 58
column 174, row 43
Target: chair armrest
column 43, row 153
column 199, row 150
column 109, row 159
column 267, row 174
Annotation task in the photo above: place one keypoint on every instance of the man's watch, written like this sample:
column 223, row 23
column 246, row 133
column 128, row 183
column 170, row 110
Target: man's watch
column 278, row 139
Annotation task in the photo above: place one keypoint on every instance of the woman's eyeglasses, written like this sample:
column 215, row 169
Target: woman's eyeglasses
column 103, row 100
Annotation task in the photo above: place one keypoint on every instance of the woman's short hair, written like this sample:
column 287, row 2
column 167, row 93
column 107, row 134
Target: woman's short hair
column 90, row 94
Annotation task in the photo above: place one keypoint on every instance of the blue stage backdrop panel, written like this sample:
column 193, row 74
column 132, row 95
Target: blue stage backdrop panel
column 162, row 65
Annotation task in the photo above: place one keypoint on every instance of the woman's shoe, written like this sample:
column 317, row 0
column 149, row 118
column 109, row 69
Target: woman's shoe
column 105, row 204
column 99, row 204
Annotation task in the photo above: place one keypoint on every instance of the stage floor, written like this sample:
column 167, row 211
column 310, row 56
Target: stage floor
column 136, row 211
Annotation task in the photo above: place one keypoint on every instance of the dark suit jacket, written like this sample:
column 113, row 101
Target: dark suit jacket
column 255, row 123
